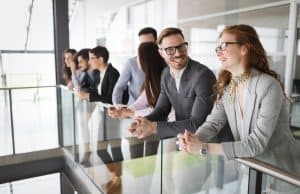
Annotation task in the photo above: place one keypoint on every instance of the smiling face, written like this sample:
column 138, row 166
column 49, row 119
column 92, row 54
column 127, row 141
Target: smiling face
column 94, row 61
column 232, row 54
column 68, row 58
column 179, row 59
column 82, row 63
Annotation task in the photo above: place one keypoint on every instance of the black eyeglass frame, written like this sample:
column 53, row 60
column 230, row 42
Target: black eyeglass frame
column 172, row 50
column 223, row 45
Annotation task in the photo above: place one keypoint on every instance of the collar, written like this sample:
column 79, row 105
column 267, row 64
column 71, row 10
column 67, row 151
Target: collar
column 176, row 74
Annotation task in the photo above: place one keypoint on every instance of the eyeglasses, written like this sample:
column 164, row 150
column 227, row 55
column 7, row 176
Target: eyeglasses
column 223, row 45
column 172, row 50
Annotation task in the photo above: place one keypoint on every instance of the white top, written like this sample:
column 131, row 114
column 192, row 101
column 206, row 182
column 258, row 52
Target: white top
column 177, row 74
column 239, row 115
column 102, row 74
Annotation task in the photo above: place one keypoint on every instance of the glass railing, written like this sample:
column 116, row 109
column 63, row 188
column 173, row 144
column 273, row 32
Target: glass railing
column 119, row 163
column 116, row 162
column 28, row 119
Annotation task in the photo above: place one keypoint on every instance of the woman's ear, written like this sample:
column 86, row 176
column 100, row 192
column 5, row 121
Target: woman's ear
column 244, row 49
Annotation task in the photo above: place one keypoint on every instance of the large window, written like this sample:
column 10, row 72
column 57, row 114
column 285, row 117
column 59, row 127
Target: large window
column 116, row 24
column 26, row 50
column 270, row 23
column 29, row 116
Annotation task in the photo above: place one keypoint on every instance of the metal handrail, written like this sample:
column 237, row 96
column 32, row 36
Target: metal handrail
column 27, row 87
column 270, row 170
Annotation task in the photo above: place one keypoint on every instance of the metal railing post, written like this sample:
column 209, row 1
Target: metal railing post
column 12, row 122
column 254, row 181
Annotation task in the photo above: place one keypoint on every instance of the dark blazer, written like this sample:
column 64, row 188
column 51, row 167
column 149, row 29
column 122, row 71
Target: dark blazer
column 87, row 83
column 110, row 78
column 192, row 103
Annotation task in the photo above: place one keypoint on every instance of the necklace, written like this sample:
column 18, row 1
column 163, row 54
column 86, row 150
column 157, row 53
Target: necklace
column 237, row 80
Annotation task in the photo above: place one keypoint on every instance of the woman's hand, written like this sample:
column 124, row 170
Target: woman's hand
column 188, row 142
column 120, row 112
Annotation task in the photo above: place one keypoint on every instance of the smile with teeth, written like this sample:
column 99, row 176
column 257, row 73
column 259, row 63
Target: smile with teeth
column 178, row 59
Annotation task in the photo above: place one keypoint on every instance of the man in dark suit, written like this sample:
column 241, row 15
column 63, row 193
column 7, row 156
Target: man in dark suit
column 186, row 85
column 105, row 76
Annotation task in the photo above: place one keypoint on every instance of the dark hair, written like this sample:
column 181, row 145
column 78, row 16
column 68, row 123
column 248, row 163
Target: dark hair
column 84, row 53
column 67, row 70
column 152, row 65
column 101, row 51
column 148, row 30
column 168, row 32
column 256, row 55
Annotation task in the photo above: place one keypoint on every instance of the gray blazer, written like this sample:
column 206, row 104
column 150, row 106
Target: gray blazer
column 192, row 103
column 266, row 120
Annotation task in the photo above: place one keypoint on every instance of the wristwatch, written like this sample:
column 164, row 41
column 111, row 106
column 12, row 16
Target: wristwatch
column 204, row 149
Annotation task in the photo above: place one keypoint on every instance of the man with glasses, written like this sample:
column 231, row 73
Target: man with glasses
column 186, row 85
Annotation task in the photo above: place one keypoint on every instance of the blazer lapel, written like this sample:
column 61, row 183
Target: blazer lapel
column 230, row 111
column 184, row 78
column 250, row 99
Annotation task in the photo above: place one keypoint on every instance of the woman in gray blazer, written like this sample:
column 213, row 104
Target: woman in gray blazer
column 250, row 97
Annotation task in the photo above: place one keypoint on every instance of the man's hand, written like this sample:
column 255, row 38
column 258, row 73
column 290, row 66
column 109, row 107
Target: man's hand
column 142, row 127
column 83, row 95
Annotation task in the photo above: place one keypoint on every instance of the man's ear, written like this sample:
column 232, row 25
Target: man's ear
column 101, row 60
column 160, row 52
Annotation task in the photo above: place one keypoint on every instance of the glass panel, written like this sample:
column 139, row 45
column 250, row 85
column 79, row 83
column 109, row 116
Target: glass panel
column 194, row 8
column 67, row 118
column 5, row 127
column 186, row 173
column 273, row 185
column 35, row 119
column 110, row 157
column 120, row 166
column 22, row 70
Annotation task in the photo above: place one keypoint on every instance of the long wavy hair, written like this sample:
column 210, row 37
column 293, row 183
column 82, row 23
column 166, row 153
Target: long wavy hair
column 67, row 74
column 256, row 56
column 152, row 65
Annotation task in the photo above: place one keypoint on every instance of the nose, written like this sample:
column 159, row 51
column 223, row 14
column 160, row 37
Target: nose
column 218, row 52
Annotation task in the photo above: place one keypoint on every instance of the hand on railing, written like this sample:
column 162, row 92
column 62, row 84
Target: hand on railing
column 83, row 95
column 70, row 85
column 189, row 143
column 120, row 111
column 142, row 127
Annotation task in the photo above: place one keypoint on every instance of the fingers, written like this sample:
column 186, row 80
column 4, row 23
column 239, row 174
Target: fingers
column 114, row 112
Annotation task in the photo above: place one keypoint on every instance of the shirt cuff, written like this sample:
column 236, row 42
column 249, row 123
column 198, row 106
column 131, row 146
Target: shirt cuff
column 228, row 149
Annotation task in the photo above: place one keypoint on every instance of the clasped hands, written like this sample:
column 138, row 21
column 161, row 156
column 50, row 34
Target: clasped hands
column 120, row 112
column 189, row 142
column 142, row 127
